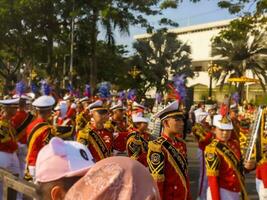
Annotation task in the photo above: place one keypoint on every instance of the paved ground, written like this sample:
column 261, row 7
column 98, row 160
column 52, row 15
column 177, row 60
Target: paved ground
column 194, row 172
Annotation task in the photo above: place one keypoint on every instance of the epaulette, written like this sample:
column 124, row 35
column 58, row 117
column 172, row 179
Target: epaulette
column 108, row 125
column 212, row 159
column 156, row 145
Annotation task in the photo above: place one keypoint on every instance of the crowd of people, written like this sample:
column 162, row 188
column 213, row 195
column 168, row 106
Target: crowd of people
column 102, row 149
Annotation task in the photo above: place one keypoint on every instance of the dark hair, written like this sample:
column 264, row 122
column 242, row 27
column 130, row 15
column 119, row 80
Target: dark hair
column 66, row 183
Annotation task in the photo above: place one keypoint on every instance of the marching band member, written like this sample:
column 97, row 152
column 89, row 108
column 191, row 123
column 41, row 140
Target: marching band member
column 98, row 139
column 8, row 144
column 224, row 162
column 167, row 159
column 137, row 140
column 39, row 132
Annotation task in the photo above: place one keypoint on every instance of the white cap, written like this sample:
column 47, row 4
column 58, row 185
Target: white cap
column 83, row 99
column 136, row 105
column 170, row 110
column 67, row 97
column 44, row 102
column 97, row 105
column 61, row 158
column 23, row 96
column 222, row 123
column 137, row 119
column 10, row 102
column 118, row 106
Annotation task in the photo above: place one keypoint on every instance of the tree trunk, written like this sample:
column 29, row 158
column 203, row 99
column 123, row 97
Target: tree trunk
column 93, row 60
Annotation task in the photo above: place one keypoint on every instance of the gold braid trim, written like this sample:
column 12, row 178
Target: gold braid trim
column 212, row 160
column 134, row 151
column 155, row 161
column 178, row 171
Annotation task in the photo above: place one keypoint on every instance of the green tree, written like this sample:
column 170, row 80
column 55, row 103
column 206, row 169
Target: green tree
column 240, row 49
column 159, row 57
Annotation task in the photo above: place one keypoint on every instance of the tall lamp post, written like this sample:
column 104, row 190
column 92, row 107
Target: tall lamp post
column 212, row 68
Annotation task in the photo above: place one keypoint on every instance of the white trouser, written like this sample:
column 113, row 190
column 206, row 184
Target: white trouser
column 203, row 180
column 225, row 194
column 10, row 162
column 22, row 153
column 262, row 192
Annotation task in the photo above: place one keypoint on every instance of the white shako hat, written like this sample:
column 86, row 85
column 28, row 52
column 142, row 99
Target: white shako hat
column 170, row 110
column 136, row 105
column 137, row 119
column 223, row 123
column 84, row 99
column 118, row 106
column 10, row 102
column 44, row 102
column 97, row 105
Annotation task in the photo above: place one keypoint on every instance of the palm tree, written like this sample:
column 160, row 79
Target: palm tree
column 161, row 56
column 239, row 51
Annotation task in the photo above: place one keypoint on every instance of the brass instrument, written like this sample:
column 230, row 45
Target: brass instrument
column 254, row 134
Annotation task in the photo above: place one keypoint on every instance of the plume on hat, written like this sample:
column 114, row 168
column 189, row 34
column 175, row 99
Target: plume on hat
column 104, row 90
column 20, row 88
column 87, row 91
column 131, row 94
column 122, row 95
column 178, row 90
column 34, row 87
column 45, row 88
column 224, row 110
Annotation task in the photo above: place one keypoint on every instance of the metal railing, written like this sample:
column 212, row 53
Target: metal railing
column 29, row 190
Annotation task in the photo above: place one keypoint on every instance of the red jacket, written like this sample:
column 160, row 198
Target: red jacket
column 220, row 173
column 17, row 120
column 170, row 184
column 36, row 141
column 8, row 141
column 261, row 173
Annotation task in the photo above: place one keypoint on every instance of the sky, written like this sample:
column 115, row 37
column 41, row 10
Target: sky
column 186, row 14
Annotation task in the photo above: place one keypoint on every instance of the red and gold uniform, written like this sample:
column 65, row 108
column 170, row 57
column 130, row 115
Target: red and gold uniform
column 20, row 122
column 167, row 162
column 39, row 132
column 137, row 146
column 120, row 133
column 81, row 120
column 224, row 171
column 8, row 141
column 99, row 141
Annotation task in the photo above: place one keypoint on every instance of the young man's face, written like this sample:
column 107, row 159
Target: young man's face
column 118, row 114
column 142, row 126
column 100, row 116
column 174, row 125
column 223, row 135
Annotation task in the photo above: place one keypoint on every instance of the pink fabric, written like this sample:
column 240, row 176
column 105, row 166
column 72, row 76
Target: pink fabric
column 115, row 178
column 61, row 159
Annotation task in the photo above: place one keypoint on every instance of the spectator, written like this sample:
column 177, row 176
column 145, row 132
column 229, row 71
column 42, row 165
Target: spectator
column 115, row 178
column 59, row 165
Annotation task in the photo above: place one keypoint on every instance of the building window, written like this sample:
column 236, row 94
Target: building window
column 198, row 69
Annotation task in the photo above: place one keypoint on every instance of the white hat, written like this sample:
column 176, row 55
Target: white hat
column 61, row 158
column 137, row 119
column 200, row 115
column 223, row 123
column 97, row 105
column 44, row 102
column 23, row 96
column 118, row 106
column 136, row 105
column 10, row 102
column 67, row 97
column 170, row 110
column 83, row 99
